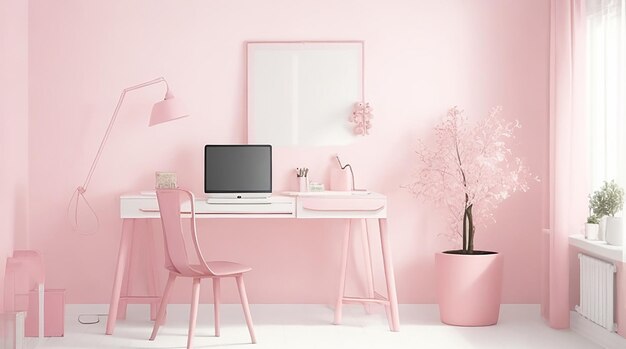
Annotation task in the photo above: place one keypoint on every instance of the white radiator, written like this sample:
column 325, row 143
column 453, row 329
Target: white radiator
column 597, row 289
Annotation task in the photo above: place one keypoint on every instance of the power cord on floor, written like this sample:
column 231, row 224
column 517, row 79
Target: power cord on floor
column 90, row 322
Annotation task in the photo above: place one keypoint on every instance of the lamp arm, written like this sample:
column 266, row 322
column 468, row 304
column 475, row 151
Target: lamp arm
column 79, row 193
column 82, row 189
column 344, row 167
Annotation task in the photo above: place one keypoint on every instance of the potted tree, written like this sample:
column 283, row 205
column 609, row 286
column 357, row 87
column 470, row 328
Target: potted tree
column 605, row 203
column 468, row 172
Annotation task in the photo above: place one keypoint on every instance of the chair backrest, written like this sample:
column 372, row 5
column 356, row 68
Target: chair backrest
column 176, row 254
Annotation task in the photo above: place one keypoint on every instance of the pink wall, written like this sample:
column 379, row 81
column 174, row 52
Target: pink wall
column 421, row 58
column 13, row 129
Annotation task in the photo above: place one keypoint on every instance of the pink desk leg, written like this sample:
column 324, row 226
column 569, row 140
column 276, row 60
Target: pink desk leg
column 153, row 276
column 389, row 276
column 127, row 228
column 342, row 274
column 621, row 299
column 369, row 273
column 126, row 287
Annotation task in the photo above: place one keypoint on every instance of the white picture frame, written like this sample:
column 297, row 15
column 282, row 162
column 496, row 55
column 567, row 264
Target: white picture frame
column 303, row 93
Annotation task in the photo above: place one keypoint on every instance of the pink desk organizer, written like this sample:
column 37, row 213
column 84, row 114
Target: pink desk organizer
column 340, row 180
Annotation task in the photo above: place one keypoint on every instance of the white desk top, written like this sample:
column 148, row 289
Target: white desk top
column 329, row 193
column 282, row 196
column 319, row 205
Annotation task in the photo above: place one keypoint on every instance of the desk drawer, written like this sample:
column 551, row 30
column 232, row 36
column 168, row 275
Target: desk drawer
column 337, row 207
column 132, row 207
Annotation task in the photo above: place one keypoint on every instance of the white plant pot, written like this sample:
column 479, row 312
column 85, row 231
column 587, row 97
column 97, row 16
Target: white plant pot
column 614, row 231
column 602, row 231
column 592, row 231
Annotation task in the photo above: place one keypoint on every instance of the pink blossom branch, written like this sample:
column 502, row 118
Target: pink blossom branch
column 469, row 167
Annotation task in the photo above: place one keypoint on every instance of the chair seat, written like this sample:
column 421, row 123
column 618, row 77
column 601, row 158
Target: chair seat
column 219, row 268
column 178, row 263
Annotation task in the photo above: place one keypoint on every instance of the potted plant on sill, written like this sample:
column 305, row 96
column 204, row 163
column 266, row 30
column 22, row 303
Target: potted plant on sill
column 605, row 203
column 468, row 172
column 592, row 228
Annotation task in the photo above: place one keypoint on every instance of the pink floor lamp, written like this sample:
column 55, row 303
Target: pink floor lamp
column 163, row 111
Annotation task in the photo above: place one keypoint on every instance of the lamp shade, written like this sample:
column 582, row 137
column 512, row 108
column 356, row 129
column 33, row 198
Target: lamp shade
column 166, row 110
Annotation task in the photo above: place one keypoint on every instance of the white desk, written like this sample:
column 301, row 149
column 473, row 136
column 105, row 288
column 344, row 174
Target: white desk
column 348, row 207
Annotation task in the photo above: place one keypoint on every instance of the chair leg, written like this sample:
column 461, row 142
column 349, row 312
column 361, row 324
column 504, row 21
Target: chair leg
column 193, row 314
column 163, row 307
column 246, row 307
column 216, row 305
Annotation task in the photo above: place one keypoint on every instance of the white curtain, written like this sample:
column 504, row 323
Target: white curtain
column 606, row 86
column 568, row 153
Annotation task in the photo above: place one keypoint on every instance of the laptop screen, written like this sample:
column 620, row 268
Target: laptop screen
column 237, row 168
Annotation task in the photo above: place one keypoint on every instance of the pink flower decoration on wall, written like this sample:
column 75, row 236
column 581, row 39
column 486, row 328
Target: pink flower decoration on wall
column 361, row 116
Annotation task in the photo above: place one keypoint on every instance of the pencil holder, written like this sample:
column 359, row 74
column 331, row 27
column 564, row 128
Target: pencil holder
column 303, row 183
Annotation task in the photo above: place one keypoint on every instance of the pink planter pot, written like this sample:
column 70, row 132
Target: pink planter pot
column 469, row 288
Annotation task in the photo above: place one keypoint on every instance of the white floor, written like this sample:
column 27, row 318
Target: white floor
column 309, row 326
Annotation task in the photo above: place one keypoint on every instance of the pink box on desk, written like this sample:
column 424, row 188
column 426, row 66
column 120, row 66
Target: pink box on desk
column 340, row 179
column 54, row 314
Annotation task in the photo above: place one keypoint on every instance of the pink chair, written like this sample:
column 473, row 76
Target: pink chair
column 179, row 265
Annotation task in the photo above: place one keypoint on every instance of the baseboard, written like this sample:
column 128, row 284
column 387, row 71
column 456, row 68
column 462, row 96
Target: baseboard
column 74, row 309
column 596, row 333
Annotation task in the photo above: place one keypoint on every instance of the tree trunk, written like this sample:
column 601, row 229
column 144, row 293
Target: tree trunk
column 470, row 223
column 465, row 246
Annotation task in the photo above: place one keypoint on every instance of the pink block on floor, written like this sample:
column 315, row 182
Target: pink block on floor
column 54, row 314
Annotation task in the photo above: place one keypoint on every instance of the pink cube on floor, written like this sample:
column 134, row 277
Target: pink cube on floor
column 54, row 314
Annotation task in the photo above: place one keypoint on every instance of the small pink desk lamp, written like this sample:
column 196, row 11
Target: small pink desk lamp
column 163, row 111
